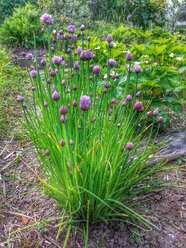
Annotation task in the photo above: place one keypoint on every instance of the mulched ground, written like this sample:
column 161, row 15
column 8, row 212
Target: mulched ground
column 19, row 210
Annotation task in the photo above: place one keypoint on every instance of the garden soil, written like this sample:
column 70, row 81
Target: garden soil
column 19, row 210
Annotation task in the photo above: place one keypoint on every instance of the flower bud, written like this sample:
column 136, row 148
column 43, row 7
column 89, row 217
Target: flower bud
column 45, row 104
column 105, row 90
column 109, row 38
column 138, row 94
column 129, row 56
column 71, row 142
column 63, row 119
column 156, row 112
column 47, row 153
column 138, row 105
column 56, row 96
column 79, row 127
column 89, row 39
column 129, row 146
column 124, row 103
column 112, row 63
column 85, row 103
column 75, row 103
column 82, row 28
column 129, row 98
column 49, row 81
column 96, row 69
column 94, row 119
column 33, row 74
column 62, row 142
column 63, row 110
column 160, row 119
column 149, row 114
column 33, row 88
column 52, row 73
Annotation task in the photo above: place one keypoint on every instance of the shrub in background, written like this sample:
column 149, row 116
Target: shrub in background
column 18, row 29
column 93, row 149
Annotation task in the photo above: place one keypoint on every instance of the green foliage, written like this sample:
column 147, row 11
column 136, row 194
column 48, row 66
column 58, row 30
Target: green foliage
column 18, row 29
column 7, row 7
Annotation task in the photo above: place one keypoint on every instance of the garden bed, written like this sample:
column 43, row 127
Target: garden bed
column 19, row 210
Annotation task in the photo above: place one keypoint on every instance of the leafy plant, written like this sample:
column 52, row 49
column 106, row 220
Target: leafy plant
column 18, row 29
column 91, row 158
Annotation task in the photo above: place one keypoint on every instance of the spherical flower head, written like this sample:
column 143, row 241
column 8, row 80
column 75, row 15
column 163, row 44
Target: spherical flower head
column 138, row 94
column 182, row 154
column 93, row 56
column 82, row 28
column 62, row 57
column 94, row 119
column 96, row 69
column 85, row 103
column 63, row 119
column 107, row 85
column 49, row 81
column 141, row 109
column 53, row 49
column 105, row 90
column 33, row 74
column 113, row 101
column 47, row 153
column 109, row 38
column 61, row 32
column 118, row 125
column 137, row 68
column 29, row 56
column 46, row 19
column 76, row 65
column 33, row 88
column 20, row 99
column 156, row 112
column 24, row 105
column 69, row 50
column 89, row 39
column 113, row 76
column 65, row 36
column 129, row 56
column 43, row 62
column 56, row 60
column 74, row 87
column 124, row 103
column 117, row 75
column 79, row 50
column 110, row 45
column 74, row 37
column 74, row 103
column 52, row 73
column 149, row 114
column 54, row 32
column 129, row 98
column 129, row 146
column 45, row 104
column 71, row 142
column 88, row 54
column 56, row 96
column 71, row 29
column 160, row 120
column 68, row 90
column 138, row 105
column 62, row 142
column 63, row 110
column 112, row 63
column 23, row 54
column 79, row 127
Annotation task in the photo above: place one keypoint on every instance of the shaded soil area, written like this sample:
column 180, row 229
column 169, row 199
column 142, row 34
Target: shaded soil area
column 19, row 208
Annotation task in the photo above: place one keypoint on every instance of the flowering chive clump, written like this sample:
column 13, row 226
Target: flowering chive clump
column 87, row 135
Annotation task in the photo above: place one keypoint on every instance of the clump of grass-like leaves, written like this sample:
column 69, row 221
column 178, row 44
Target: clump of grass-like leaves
column 92, row 149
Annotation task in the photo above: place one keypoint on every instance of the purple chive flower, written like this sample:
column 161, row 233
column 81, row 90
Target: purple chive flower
column 53, row 88
column 129, row 146
column 56, row 60
column 156, row 142
column 20, row 99
column 182, row 154
column 131, row 158
column 94, row 119
column 62, row 57
column 113, row 76
column 47, row 153
column 63, row 119
column 138, row 94
column 141, row 109
column 45, row 104
column 118, row 125
column 68, row 105
column 74, row 87
column 68, row 50
column 128, row 69
column 138, row 105
column 24, row 105
column 84, row 103
column 82, row 28
column 65, row 36
column 89, row 39
column 113, row 101
column 79, row 127
column 59, row 37
column 79, row 50
column 139, row 125
column 71, row 142
column 46, row 19
column 110, row 45
column 109, row 38
column 48, row 64
column 29, row 56
column 129, row 56
column 56, row 96
column 33, row 74
column 149, row 114
column 112, row 63
column 96, row 69
column 53, row 49
column 63, row 110
column 110, row 111
column 76, row 65
column 49, row 81
column 33, row 88
column 88, row 54
column 107, row 85
column 23, row 54
column 160, row 120
column 68, row 90
column 71, row 29
column 74, row 103
column 54, row 32
column 43, row 62
column 122, row 148
column 61, row 32
column 63, row 83
column 137, row 68
column 52, row 73
column 105, row 90
column 93, row 56
column 124, row 103
column 74, row 36
column 117, row 75
column 62, row 142
column 156, row 112
column 129, row 98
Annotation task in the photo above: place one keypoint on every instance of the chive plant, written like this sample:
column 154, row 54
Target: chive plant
column 92, row 149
